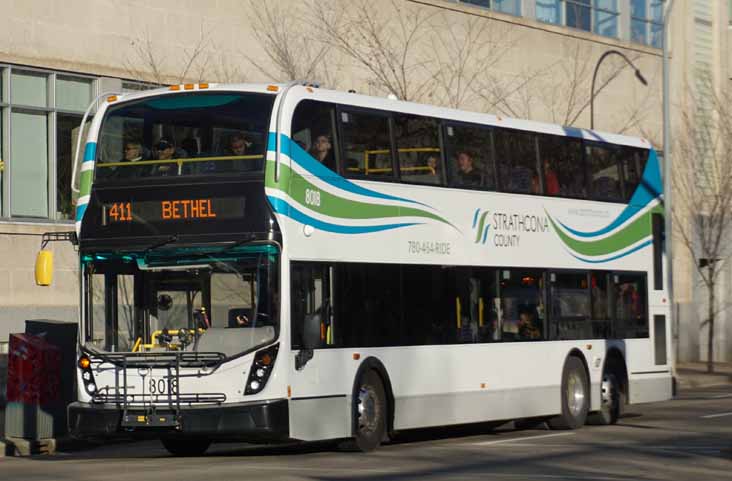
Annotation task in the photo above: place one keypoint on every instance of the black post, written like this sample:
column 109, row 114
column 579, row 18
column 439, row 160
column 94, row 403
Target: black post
column 110, row 312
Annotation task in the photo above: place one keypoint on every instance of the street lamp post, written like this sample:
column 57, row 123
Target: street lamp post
column 638, row 75
column 668, row 5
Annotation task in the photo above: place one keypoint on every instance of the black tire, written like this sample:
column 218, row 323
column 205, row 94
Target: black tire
column 369, row 413
column 575, row 396
column 613, row 400
column 185, row 447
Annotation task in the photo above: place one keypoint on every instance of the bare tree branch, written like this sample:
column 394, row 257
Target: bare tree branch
column 702, row 184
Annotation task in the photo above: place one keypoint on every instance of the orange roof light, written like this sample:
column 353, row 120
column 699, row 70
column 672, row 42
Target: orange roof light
column 188, row 86
column 112, row 98
column 273, row 88
column 174, row 88
column 202, row 86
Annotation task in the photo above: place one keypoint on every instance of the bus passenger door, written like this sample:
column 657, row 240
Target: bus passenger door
column 319, row 410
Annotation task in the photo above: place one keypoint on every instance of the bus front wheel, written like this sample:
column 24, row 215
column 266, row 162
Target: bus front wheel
column 575, row 396
column 369, row 413
column 185, row 447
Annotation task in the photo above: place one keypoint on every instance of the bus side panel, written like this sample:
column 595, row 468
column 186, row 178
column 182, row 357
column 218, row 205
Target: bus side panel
column 312, row 419
column 439, row 385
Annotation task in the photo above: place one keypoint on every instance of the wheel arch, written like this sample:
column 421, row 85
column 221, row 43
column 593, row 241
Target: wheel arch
column 373, row 364
column 615, row 361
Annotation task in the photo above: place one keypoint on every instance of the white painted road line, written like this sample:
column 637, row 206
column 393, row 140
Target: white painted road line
column 519, row 440
column 710, row 416
column 720, row 396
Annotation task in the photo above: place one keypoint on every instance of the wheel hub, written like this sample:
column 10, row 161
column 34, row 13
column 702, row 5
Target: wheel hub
column 575, row 394
column 367, row 409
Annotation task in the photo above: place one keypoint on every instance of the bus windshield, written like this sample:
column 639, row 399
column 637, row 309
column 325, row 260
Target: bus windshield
column 199, row 133
column 212, row 302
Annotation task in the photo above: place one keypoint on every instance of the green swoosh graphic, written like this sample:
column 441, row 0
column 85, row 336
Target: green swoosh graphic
column 481, row 224
column 335, row 206
column 630, row 234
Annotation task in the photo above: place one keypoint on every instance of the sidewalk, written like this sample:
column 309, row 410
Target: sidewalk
column 694, row 374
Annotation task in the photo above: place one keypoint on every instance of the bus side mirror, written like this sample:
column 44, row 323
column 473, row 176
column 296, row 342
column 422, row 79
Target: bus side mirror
column 44, row 268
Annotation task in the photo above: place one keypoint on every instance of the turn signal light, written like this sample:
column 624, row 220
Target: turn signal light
column 84, row 362
column 261, row 369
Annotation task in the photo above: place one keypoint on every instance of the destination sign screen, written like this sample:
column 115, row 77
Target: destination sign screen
column 173, row 210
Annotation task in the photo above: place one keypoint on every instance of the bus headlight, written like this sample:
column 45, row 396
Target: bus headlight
column 261, row 369
column 86, row 375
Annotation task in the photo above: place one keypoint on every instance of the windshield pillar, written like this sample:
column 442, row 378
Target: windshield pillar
column 110, row 312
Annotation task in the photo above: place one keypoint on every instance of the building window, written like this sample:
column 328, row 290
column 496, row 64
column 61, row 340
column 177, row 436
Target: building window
column 40, row 112
column 646, row 22
column 549, row 11
column 29, row 164
column 597, row 16
column 606, row 18
column 512, row 7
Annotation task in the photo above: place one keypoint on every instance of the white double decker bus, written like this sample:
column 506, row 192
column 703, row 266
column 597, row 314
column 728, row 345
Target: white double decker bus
column 283, row 262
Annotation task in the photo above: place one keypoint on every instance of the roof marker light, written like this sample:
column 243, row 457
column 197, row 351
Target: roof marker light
column 174, row 88
column 203, row 86
column 273, row 88
column 188, row 86
column 112, row 98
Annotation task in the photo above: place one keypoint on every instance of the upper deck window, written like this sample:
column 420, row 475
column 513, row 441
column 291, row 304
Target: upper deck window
column 211, row 133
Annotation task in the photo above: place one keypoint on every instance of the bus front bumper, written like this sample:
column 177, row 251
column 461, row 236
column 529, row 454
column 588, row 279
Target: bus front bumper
column 255, row 421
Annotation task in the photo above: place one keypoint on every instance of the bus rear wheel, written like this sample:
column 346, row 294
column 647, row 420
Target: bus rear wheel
column 369, row 413
column 185, row 447
column 612, row 402
column 575, row 396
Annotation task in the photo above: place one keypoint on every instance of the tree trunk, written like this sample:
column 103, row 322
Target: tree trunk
column 710, row 323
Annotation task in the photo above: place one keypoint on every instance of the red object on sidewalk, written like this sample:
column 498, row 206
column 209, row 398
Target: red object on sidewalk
column 34, row 371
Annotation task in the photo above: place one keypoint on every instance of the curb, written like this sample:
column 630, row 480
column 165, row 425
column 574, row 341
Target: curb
column 29, row 447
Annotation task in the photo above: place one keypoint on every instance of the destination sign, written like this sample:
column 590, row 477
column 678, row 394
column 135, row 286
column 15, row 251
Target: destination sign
column 173, row 210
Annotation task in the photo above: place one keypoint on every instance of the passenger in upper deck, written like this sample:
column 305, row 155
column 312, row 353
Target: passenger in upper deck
column 165, row 150
column 239, row 146
column 467, row 175
column 133, row 152
column 321, row 150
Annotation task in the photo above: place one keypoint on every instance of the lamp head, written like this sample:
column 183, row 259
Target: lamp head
column 640, row 77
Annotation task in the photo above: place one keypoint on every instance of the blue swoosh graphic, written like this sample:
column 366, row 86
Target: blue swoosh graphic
column 90, row 151
column 634, row 249
column 649, row 188
column 80, row 209
column 282, row 207
column 475, row 217
column 307, row 162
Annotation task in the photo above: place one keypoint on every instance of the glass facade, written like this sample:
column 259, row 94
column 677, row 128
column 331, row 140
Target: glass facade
column 646, row 22
column 601, row 17
column 40, row 112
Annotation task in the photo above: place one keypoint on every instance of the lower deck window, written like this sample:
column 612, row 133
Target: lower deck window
column 376, row 305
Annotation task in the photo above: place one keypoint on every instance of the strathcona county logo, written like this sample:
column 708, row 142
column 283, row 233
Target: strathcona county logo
column 481, row 226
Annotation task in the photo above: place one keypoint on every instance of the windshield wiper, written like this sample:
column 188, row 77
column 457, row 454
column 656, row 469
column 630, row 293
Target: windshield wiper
column 170, row 240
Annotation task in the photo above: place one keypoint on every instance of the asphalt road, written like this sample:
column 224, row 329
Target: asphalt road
column 689, row 438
